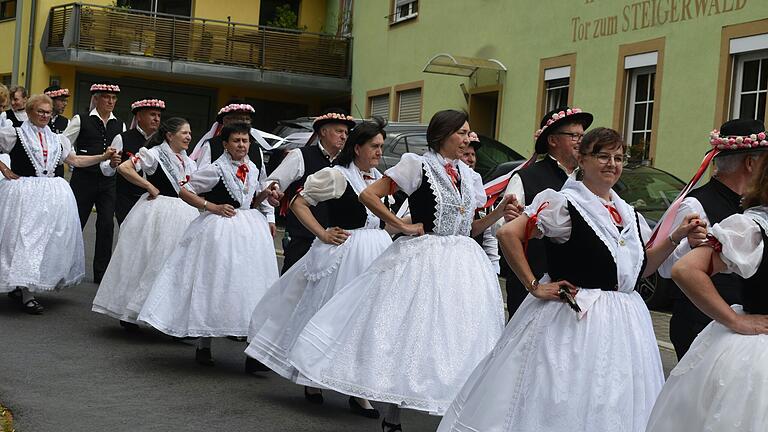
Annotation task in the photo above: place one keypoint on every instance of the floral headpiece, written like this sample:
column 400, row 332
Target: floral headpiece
column 473, row 137
column 148, row 103
column 57, row 93
column 334, row 116
column 108, row 88
column 555, row 117
column 737, row 142
column 236, row 107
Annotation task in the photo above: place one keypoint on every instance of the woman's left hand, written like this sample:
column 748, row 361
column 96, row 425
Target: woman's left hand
column 10, row 175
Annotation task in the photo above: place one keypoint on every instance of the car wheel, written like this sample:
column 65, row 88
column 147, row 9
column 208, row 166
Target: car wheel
column 654, row 292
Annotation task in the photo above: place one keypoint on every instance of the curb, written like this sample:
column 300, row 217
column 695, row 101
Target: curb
column 6, row 420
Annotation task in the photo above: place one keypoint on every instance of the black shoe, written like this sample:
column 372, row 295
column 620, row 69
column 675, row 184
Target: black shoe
column 16, row 296
column 355, row 407
column 237, row 338
column 315, row 398
column 390, row 427
column 129, row 326
column 33, row 307
column 203, row 356
column 97, row 279
column 252, row 366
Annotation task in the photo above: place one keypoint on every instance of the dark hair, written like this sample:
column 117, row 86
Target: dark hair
column 361, row 134
column 172, row 125
column 757, row 191
column 240, row 127
column 601, row 138
column 442, row 125
column 17, row 88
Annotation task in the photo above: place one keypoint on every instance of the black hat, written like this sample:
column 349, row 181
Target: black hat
column 474, row 140
column 333, row 115
column 553, row 119
column 104, row 87
column 234, row 106
column 55, row 91
column 739, row 136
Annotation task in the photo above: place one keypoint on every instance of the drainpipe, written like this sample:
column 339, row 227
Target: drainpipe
column 31, row 44
column 17, row 42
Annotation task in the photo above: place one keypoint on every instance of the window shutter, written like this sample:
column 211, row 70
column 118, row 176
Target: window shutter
column 409, row 110
column 380, row 106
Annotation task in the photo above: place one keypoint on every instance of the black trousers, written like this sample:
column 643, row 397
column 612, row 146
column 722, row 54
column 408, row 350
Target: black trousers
column 686, row 323
column 123, row 204
column 92, row 188
column 297, row 247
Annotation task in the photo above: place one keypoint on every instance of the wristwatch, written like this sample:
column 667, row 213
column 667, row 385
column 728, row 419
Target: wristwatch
column 534, row 285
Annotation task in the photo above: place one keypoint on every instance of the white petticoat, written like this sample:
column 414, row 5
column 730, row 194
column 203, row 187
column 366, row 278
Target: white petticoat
column 148, row 235
column 41, row 243
column 409, row 330
column 553, row 373
column 721, row 384
column 214, row 278
column 295, row 298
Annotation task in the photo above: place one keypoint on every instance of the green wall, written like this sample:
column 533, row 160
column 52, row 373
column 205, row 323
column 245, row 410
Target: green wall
column 521, row 33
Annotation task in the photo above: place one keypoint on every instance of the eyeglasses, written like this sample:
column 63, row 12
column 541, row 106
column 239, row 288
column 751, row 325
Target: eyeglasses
column 42, row 113
column 575, row 137
column 605, row 158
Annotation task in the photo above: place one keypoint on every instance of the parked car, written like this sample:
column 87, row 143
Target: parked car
column 650, row 191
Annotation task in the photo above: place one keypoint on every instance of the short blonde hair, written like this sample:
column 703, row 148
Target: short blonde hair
column 4, row 96
column 35, row 101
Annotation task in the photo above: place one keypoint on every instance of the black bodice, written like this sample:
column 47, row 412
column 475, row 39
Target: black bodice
column 219, row 195
column 755, row 294
column 21, row 165
column 423, row 205
column 161, row 181
column 347, row 211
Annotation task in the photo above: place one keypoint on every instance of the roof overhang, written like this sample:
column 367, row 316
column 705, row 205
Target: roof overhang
column 447, row 64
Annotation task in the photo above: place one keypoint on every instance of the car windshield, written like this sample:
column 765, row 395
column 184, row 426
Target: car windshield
column 650, row 191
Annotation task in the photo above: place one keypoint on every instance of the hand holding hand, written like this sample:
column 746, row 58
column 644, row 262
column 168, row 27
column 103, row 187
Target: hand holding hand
column 511, row 208
column 116, row 158
column 688, row 224
column 108, row 154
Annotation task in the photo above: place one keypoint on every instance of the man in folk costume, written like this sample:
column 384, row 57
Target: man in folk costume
column 146, row 120
column 734, row 157
column 211, row 145
column 558, row 140
column 92, row 133
column 58, row 122
column 332, row 129
column 17, row 114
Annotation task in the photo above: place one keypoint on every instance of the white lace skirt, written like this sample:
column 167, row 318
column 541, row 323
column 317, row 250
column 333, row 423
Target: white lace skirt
column 410, row 329
column 553, row 373
column 41, row 243
column 719, row 385
column 147, row 237
column 214, row 278
column 303, row 290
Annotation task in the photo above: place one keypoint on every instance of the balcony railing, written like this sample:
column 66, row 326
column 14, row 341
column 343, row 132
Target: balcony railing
column 177, row 38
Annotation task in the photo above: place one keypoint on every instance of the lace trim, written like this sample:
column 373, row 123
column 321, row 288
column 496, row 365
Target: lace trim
column 21, row 133
column 238, row 190
column 340, row 251
column 169, row 168
column 449, row 221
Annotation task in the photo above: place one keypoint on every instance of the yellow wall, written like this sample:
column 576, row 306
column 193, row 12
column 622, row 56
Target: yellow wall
column 312, row 15
column 241, row 11
column 7, row 29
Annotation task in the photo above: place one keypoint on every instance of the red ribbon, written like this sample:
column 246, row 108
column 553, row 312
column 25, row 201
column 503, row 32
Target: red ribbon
column 242, row 172
column 530, row 225
column 44, row 147
column 451, row 170
column 717, row 247
column 614, row 214
column 497, row 187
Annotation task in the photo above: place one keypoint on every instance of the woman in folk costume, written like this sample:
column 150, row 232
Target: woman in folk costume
column 720, row 383
column 584, row 364
column 410, row 329
column 225, row 261
column 354, row 239
column 154, row 225
column 41, row 245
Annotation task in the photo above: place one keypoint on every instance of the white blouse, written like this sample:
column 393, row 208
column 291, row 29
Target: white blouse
column 330, row 183
column 148, row 160
column 409, row 172
column 742, row 243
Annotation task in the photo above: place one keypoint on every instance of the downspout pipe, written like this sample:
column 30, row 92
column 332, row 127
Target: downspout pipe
column 17, row 42
column 31, row 44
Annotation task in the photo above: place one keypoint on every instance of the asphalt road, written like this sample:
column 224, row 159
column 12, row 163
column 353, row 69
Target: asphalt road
column 74, row 370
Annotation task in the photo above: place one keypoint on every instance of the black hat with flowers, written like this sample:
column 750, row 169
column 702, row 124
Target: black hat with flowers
column 333, row 115
column 55, row 91
column 739, row 136
column 556, row 118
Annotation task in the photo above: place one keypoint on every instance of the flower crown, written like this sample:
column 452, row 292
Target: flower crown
column 57, row 93
column 333, row 116
column 236, row 107
column 737, row 142
column 555, row 117
column 110, row 88
column 148, row 103
column 473, row 137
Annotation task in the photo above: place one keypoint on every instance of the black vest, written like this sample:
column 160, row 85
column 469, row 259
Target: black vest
column 94, row 138
column 544, row 174
column 217, row 149
column 347, row 211
column 314, row 161
column 133, row 141
column 584, row 260
column 12, row 117
column 161, row 181
column 59, row 124
column 219, row 195
column 755, row 296
column 719, row 202
column 21, row 165
column 422, row 204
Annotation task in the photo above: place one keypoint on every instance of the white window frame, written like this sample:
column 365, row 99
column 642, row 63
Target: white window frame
column 736, row 92
column 631, row 105
column 413, row 10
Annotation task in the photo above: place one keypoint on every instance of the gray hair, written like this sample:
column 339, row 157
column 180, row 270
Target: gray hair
column 730, row 163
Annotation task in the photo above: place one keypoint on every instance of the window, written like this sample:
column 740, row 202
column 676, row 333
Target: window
column 750, row 85
column 5, row 80
column 404, row 10
column 378, row 103
column 173, row 7
column 640, row 111
column 279, row 13
column 556, row 80
column 409, row 106
column 7, row 9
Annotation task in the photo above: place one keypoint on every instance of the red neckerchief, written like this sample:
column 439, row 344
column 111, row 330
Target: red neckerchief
column 451, row 170
column 242, row 172
column 45, row 149
column 614, row 214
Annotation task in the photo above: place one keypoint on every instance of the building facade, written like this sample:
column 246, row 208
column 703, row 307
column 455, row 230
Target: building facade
column 195, row 54
column 663, row 72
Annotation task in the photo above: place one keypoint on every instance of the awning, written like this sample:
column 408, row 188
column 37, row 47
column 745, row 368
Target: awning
column 446, row 64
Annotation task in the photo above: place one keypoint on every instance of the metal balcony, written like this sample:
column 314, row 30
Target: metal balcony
column 120, row 39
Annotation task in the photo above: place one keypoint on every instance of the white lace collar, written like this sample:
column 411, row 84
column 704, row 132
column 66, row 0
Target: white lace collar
column 454, row 209
column 29, row 135
column 240, row 191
